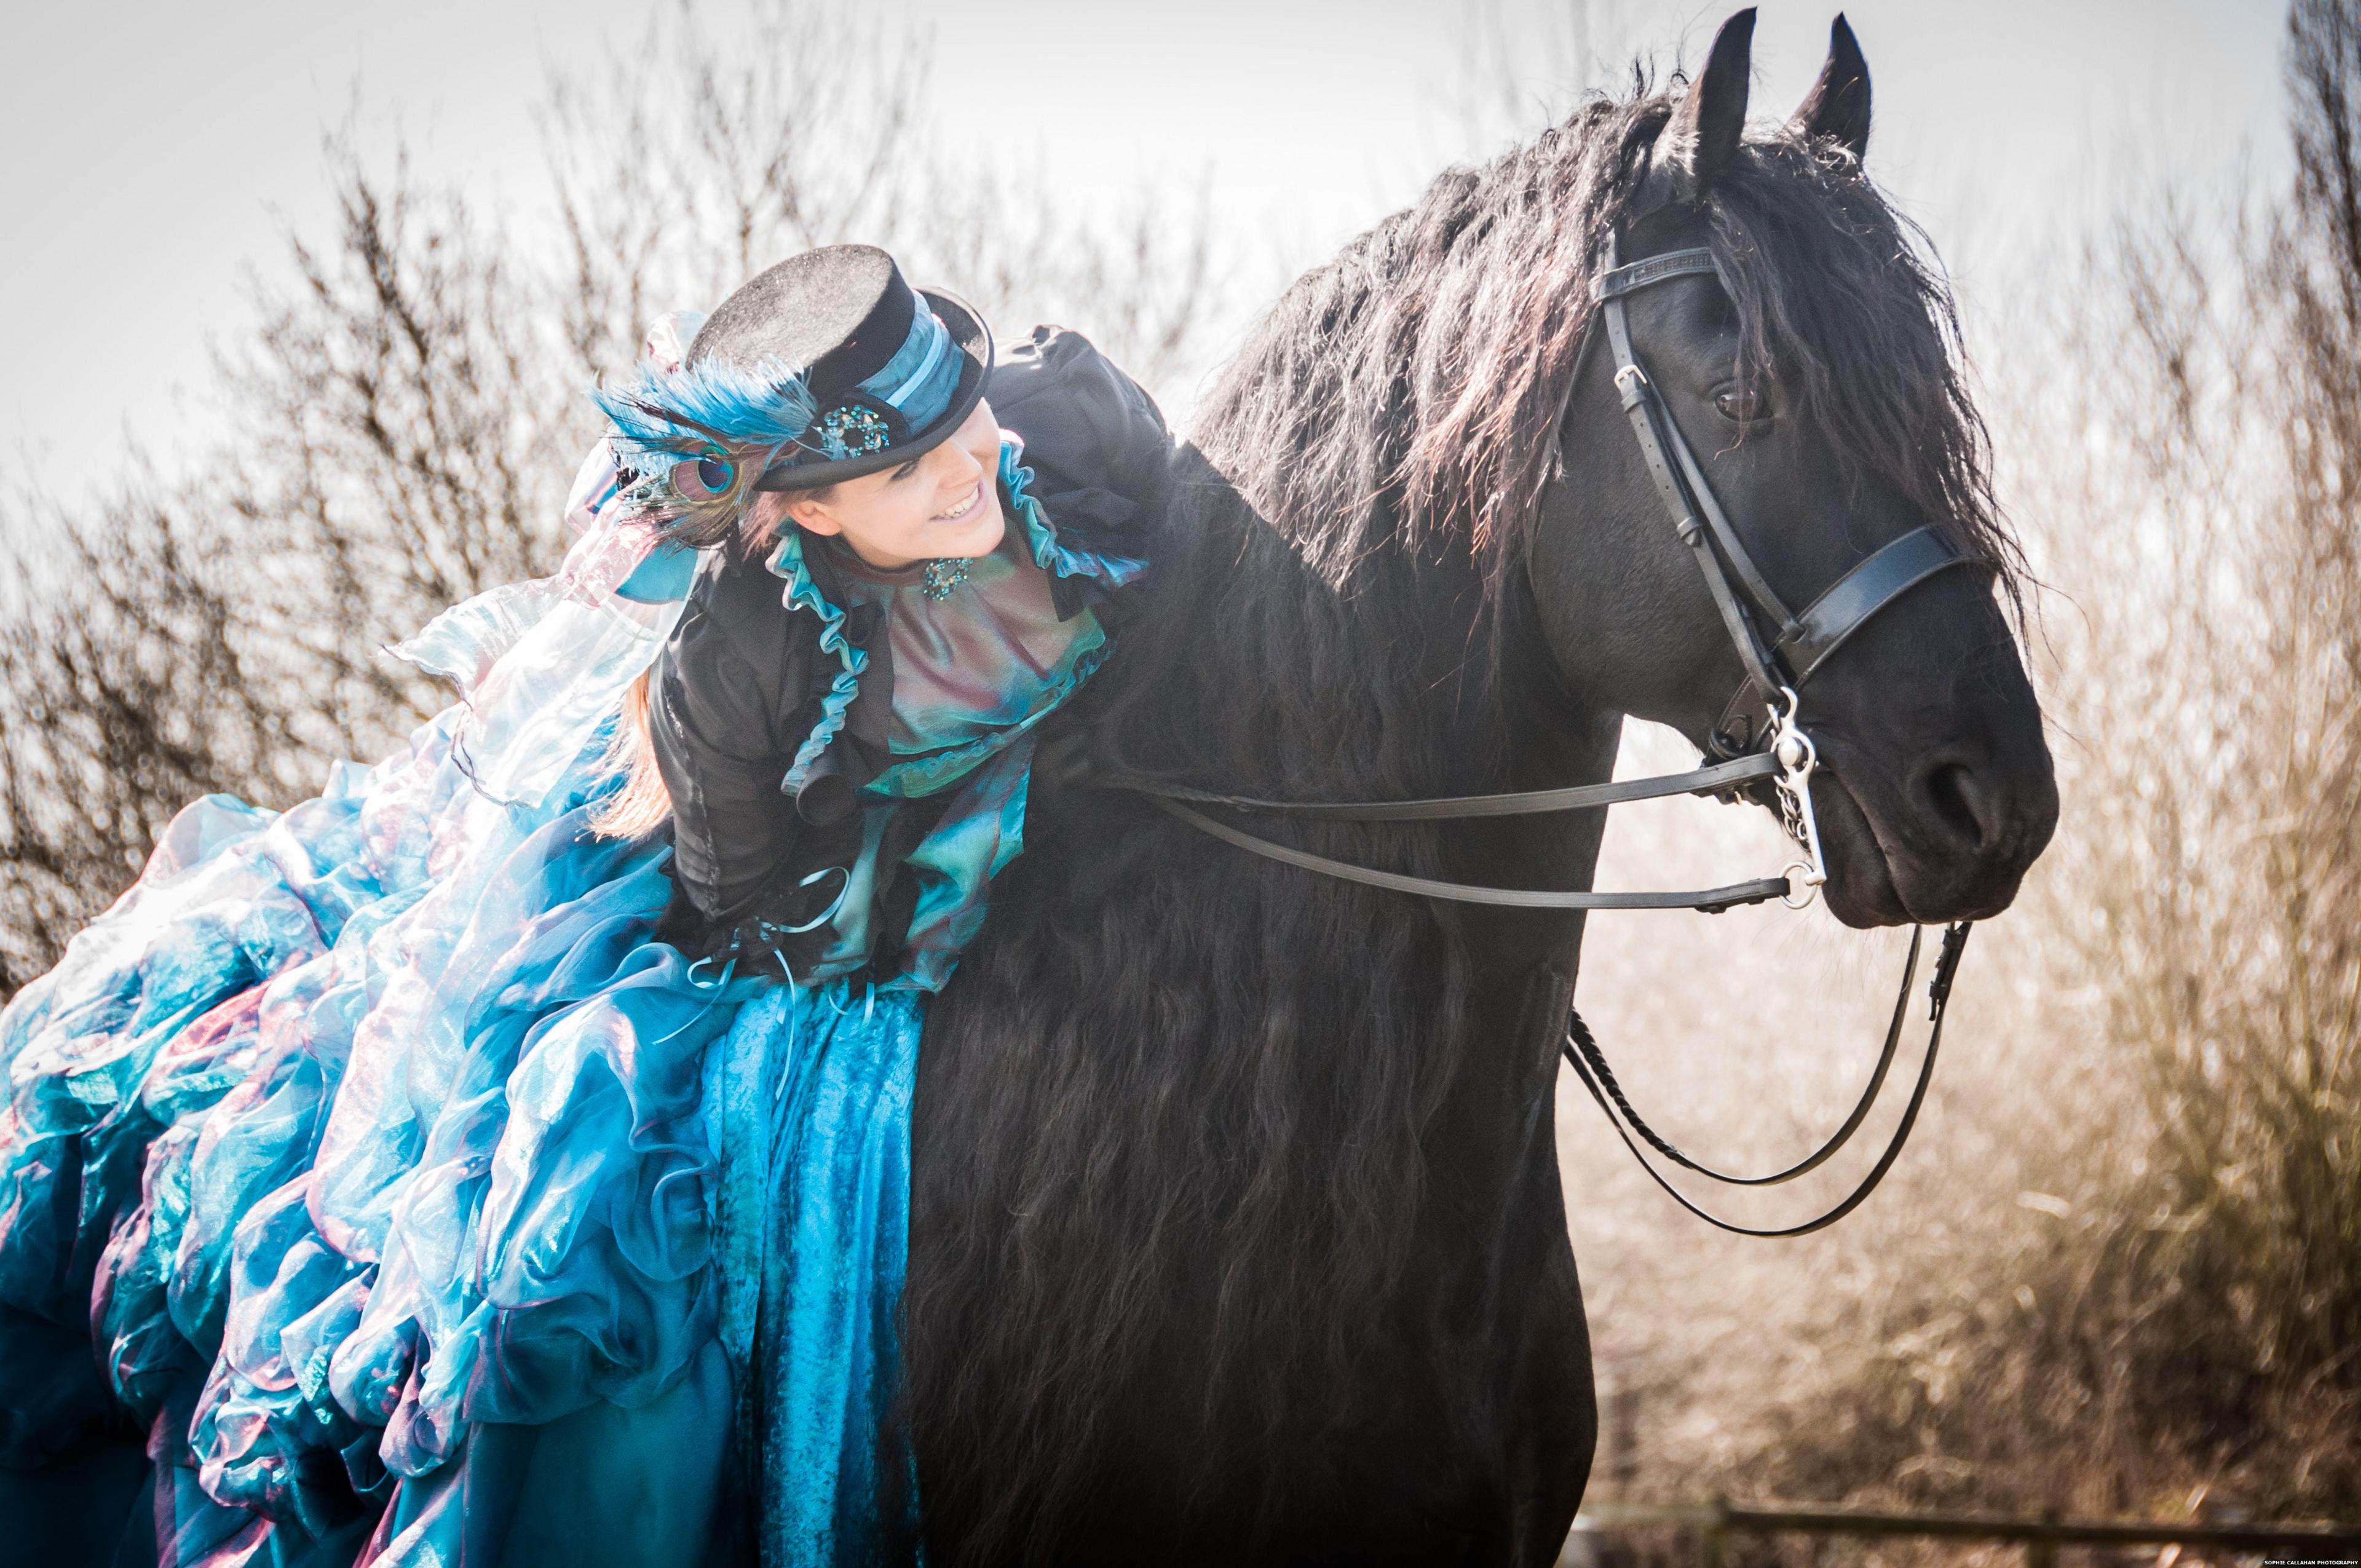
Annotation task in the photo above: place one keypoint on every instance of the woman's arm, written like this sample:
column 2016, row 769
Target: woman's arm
column 1094, row 438
column 727, row 704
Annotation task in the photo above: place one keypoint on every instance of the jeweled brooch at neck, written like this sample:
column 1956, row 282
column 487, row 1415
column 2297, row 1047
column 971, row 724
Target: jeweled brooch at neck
column 941, row 576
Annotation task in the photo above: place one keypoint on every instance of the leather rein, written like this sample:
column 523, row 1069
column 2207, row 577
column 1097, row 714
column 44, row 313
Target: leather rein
column 1775, row 748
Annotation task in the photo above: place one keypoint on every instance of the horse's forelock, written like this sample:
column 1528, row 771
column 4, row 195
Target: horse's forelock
column 1840, row 297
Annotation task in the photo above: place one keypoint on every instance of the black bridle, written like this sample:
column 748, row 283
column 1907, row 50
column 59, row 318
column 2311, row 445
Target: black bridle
column 1778, row 663
column 1801, row 641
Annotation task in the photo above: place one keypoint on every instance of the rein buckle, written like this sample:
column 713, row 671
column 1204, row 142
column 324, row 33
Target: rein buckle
column 1798, row 759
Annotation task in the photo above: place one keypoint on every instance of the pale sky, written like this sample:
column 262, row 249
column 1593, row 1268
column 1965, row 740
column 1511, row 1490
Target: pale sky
column 155, row 154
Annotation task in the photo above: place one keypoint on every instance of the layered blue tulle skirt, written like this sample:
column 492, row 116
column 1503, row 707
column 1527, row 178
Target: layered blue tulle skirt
column 423, row 1209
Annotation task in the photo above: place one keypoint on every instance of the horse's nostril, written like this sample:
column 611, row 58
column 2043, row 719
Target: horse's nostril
column 1952, row 795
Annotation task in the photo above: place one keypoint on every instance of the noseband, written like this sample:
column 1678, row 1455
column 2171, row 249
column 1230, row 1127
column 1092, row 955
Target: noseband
column 1777, row 666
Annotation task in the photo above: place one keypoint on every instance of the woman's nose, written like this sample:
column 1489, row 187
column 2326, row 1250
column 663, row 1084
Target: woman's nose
column 956, row 467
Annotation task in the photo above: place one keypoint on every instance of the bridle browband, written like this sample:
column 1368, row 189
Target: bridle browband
column 1777, row 666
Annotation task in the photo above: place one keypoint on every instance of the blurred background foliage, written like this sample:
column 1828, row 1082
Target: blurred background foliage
column 2121, row 1268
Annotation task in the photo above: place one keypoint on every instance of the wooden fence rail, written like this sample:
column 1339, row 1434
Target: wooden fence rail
column 1713, row 1524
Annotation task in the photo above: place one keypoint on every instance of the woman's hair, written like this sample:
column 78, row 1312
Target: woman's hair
column 767, row 513
column 644, row 804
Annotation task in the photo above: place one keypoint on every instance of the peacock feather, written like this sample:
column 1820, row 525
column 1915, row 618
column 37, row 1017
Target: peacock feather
column 690, row 444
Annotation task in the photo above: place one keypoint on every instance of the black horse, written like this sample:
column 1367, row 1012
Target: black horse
column 1237, row 1233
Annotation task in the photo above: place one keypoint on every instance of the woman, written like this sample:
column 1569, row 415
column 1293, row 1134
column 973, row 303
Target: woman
column 503, row 1157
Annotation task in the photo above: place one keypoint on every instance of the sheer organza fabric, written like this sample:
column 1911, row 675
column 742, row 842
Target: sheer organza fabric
column 378, row 1146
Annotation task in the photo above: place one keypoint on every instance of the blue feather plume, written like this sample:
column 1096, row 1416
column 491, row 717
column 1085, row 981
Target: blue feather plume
column 768, row 405
column 665, row 422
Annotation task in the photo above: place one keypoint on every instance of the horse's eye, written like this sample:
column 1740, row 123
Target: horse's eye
column 1736, row 406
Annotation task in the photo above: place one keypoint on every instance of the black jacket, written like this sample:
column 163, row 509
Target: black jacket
column 737, row 690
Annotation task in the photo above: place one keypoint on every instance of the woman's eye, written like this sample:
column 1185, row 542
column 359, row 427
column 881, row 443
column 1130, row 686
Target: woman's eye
column 1740, row 407
column 906, row 470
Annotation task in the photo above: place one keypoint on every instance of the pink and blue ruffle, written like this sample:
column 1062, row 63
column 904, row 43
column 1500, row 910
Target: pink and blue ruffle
column 376, row 1146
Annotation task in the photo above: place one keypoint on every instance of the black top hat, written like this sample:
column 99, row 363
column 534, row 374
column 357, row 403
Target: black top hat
column 890, row 369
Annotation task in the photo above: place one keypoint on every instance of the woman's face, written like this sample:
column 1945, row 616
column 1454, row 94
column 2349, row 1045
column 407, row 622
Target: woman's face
column 945, row 502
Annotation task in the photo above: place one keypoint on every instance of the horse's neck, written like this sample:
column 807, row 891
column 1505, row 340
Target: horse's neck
column 1551, row 740
column 1395, row 704
column 1341, row 688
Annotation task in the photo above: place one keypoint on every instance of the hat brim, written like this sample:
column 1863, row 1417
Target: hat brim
column 973, row 337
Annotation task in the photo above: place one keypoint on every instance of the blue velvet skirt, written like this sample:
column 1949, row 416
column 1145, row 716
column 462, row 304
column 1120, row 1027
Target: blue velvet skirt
column 423, row 1209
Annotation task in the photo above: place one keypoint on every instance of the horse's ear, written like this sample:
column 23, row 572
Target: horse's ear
column 1701, row 138
column 1838, row 104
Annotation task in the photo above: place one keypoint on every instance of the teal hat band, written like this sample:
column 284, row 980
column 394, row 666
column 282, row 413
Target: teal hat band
column 917, row 384
column 918, row 381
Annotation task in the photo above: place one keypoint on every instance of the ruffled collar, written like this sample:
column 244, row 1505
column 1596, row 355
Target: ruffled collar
column 789, row 562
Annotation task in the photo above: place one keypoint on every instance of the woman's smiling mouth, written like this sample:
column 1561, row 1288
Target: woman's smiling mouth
column 964, row 507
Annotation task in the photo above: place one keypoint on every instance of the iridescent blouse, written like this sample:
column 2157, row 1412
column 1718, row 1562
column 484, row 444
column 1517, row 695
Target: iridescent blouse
column 973, row 667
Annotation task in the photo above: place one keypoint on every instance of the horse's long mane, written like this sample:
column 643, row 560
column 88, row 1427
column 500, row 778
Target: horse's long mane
column 1415, row 384
column 1202, row 1087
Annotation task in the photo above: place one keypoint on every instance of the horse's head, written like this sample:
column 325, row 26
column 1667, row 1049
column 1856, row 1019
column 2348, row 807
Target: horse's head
column 1814, row 374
